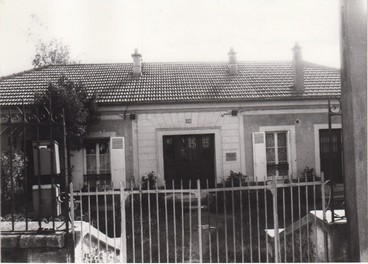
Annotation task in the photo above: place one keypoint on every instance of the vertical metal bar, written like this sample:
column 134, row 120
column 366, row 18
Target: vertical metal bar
column 266, row 218
column 39, row 171
column 114, row 221
column 324, row 214
column 52, row 151
column 241, row 220
column 158, row 225
column 199, row 221
column 81, row 216
column 209, row 224
column 106, row 227
column 123, row 252
column 141, row 220
column 98, row 219
column 190, row 222
column 11, row 170
column 182, row 221
column 250, row 225
column 149, row 222
column 166, row 226
column 330, row 161
column 25, row 171
column 233, row 215
column 292, row 221
column 284, row 219
column 66, row 174
column 300, row 227
column 89, row 218
column 217, row 229
column 307, row 212
column 275, row 221
column 258, row 226
column 133, row 225
column 71, row 211
column 225, row 216
column 174, row 215
column 315, row 220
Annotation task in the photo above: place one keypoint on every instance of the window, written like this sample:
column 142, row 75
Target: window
column 97, row 157
column 277, row 154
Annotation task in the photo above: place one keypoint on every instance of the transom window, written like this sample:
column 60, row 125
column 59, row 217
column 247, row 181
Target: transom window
column 97, row 157
column 276, row 154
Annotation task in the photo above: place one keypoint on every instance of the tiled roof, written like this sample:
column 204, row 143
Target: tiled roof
column 177, row 82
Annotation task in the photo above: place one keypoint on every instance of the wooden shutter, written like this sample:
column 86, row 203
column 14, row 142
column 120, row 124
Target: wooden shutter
column 259, row 156
column 117, row 161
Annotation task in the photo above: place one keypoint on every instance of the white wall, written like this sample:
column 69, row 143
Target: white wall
column 151, row 128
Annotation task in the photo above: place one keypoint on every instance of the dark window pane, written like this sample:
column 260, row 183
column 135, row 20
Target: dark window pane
column 270, row 140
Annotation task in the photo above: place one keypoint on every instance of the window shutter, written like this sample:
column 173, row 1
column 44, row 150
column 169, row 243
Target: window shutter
column 259, row 156
column 288, row 134
column 117, row 159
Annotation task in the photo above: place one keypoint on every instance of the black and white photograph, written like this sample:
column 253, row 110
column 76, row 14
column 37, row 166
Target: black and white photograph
column 180, row 131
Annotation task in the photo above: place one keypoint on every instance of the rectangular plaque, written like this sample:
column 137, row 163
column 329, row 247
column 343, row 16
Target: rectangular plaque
column 231, row 156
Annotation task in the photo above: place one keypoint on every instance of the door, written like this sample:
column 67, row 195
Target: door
column 188, row 158
column 336, row 157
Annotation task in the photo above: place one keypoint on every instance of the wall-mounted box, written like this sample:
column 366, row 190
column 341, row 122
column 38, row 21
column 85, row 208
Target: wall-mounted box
column 45, row 200
column 44, row 163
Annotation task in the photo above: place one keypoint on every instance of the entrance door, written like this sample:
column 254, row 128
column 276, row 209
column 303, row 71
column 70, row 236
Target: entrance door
column 189, row 157
column 335, row 154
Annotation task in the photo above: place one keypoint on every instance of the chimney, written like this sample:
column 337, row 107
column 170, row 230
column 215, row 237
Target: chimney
column 233, row 67
column 298, row 67
column 137, row 63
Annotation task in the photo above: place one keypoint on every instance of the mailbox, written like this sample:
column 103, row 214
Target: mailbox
column 47, row 150
column 45, row 202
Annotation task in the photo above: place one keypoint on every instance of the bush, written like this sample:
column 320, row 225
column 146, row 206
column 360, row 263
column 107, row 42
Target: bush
column 236, row 179
column 149, row 180
column 12, row 172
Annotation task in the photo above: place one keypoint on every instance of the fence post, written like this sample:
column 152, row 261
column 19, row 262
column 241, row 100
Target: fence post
column 123, row 239
column 275, row 221
column 199, row 221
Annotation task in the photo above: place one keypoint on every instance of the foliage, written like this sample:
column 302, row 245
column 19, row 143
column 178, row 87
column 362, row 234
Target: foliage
column 309, row 174
column 236, row 179
column 50, row 53
column 80, row 109
column 149, row 180
column 12, row 171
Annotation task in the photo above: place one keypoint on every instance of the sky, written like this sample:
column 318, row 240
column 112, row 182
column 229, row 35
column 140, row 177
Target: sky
column 108, row 31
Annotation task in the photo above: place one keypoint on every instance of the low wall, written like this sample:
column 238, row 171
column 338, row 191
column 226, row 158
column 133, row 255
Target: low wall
column 35, row 247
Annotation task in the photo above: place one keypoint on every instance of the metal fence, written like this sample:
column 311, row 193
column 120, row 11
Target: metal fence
column 34, row 197
column 238, row 221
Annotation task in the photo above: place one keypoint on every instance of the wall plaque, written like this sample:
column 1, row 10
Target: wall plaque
column 231, row 156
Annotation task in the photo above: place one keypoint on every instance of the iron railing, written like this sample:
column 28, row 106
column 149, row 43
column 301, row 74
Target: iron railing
column 34, row 196
column 249, row 222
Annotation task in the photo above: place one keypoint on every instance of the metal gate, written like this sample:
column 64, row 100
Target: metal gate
column 238, row 221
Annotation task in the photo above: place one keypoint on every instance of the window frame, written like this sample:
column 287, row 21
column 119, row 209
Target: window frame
column 98, row 160
column 291, row 151
column 276, row 147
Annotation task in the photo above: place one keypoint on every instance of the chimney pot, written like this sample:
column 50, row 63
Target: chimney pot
column 137, row 63
column 233, row 66
column 298, row 68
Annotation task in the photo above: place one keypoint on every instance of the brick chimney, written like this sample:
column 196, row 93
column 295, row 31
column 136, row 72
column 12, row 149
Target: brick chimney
column 298, row 67
column 233, row 67
column 137, row 63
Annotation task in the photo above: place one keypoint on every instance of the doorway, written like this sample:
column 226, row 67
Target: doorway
column 189, row 158
column 336, row 155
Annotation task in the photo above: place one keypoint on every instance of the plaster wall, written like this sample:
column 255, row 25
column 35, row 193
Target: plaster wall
column 106, row 128
column 151, row 127
column 304, row 125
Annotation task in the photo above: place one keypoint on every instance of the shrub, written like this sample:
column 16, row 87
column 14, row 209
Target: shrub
column 236, row 179
column 149, row 180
